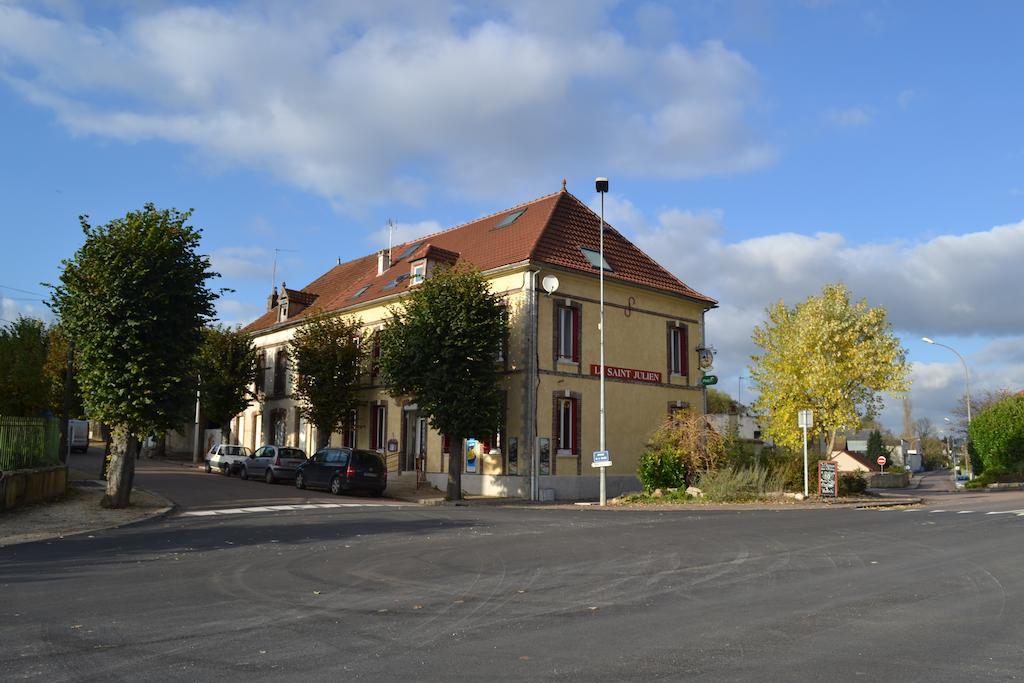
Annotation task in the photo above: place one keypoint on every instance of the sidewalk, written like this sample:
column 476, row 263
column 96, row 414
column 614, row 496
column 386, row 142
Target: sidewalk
column 77, row 513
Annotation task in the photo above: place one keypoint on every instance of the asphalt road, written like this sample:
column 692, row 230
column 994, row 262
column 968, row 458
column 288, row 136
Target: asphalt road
column 481, row 592
column 194, row 489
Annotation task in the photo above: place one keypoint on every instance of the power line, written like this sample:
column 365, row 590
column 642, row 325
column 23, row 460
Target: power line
column 23, row 291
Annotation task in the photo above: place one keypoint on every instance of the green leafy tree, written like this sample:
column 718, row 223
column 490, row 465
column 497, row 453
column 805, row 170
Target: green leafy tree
column 439, row 349
column 719, row 402
column 134, row 300
column 827, row 355
column 875, row 446
column 226, row 364
column 326, row 355
column 997, row 436
column 59, row 360
column 23, row 348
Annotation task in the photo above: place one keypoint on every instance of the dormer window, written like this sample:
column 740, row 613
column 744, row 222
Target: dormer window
column 418, row 273
column 282, row 311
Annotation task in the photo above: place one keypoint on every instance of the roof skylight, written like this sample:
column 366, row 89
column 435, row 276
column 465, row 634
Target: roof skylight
column 360, row 291
column 408, row 250
column 510, row 219
column 398, row 280
column 595, row 259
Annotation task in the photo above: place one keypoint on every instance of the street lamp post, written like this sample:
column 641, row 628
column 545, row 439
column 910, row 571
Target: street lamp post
column 602, row 187
column 967, row 380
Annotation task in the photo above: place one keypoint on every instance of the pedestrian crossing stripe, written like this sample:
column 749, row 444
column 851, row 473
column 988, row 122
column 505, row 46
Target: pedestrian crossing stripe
column 276, row 508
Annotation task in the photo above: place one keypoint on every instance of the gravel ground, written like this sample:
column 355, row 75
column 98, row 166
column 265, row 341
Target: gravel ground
column 79, row 512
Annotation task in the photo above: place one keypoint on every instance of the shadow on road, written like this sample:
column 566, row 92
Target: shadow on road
column 150, row 543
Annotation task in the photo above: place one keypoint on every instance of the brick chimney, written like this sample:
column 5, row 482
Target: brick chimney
column 272, row 299
column 383, row 261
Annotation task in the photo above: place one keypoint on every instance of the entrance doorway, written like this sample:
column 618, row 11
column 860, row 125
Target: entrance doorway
column 415, row 446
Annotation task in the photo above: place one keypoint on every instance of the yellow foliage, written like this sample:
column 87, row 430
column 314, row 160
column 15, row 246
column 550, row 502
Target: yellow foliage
column 829, row 356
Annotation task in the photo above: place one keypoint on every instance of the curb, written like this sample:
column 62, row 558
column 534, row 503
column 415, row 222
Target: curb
column 157, row 514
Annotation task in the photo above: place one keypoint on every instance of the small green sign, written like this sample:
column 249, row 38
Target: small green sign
column 708, row 380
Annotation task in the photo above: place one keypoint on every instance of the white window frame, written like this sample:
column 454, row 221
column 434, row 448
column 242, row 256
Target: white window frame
column 381, row 427
column 677, row 337
column 418, row 273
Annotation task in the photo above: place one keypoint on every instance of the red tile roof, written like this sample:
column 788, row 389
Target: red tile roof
column 551, row 230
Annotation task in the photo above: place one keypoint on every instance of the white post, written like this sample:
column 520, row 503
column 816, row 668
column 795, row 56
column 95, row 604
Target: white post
column 601, row 270
column 806, row 490
column 195, row 446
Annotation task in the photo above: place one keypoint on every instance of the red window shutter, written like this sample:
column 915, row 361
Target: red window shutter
column 683, row 360
column 575, row 335
column 574, row 432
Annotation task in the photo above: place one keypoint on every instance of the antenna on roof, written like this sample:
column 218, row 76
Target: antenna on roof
column 391, row 230
column 273, row 276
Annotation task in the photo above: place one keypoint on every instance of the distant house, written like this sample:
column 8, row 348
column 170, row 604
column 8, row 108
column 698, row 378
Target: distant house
column 847, row 461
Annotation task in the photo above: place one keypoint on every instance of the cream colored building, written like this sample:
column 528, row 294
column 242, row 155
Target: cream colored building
column 550, row 362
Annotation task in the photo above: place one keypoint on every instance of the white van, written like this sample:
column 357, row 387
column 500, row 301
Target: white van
column 78, row 435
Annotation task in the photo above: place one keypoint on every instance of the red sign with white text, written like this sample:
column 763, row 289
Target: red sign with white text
column 613, row 372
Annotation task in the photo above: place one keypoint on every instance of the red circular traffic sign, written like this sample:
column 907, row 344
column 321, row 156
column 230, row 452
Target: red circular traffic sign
column 881, row 460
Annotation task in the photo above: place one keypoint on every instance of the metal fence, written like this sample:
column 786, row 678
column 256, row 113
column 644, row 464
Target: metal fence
column 27, row 442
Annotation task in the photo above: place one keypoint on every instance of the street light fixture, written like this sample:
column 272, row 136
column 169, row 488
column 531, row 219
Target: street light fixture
column 967, row 379
column 601, row 185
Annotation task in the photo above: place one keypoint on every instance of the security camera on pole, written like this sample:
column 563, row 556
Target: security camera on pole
column 601, row 459
column 805, row 420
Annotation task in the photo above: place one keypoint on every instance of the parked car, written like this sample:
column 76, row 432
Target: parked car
column 273, row 463
column 343, row 469
column 226, row 457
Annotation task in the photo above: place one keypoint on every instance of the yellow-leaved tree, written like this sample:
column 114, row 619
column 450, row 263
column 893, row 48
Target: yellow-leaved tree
column 827, row 355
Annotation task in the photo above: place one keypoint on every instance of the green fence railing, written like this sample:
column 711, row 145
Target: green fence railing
column 27, row 442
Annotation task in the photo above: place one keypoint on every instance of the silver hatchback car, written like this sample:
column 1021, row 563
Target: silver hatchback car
column 273, row 463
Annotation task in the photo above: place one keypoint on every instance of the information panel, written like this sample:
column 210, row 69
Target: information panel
column 828, row 479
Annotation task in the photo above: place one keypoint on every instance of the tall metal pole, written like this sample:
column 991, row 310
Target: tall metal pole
column 967, row 380
column 601, row 270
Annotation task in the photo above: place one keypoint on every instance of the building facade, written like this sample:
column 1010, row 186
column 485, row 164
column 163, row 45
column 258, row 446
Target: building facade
column 654, row 326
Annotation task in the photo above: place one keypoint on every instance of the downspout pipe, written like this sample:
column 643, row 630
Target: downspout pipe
column 532, row 381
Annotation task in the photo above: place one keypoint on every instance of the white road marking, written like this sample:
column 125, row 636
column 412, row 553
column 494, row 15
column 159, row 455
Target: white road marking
column 934, row 511
column 965, row 512
column 1007, row 512
column 298, row 506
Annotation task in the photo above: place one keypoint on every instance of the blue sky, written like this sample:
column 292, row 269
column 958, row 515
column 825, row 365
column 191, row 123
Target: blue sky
column 758, row 150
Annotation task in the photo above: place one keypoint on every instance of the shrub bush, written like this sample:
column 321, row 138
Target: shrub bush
column 997, row 435
column 661, row 468
column 740, row 484
column 851, row 483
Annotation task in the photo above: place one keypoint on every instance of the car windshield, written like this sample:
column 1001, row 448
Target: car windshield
column 234, row 450
column 293, row 453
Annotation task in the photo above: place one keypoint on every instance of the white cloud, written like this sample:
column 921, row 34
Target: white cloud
column 848, row 118
column 11, row 308
column 243, row 263
column 949, row 286
column 365, row 101
column 906, row 98
column 233, row 312
column 402, row 233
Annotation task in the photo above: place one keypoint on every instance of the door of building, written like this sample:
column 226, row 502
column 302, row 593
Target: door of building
column 415, row 446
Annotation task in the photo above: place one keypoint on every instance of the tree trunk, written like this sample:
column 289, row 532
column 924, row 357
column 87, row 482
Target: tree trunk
column 107, row 445
column 831, row 443
column 455, row 468
column 323, row 436
column 122, row 470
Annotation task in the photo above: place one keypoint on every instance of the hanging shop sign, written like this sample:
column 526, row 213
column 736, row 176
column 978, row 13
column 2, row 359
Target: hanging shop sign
column 612, row 372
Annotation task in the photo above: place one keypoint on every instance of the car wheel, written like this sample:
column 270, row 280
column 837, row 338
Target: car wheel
column 299, row 483
column 268, row 476
column 225, row 469
column 208, row 468
column 336, row 486
column 244, row 474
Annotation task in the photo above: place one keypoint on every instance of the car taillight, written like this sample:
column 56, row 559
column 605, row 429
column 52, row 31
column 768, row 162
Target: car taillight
column 350, row 471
